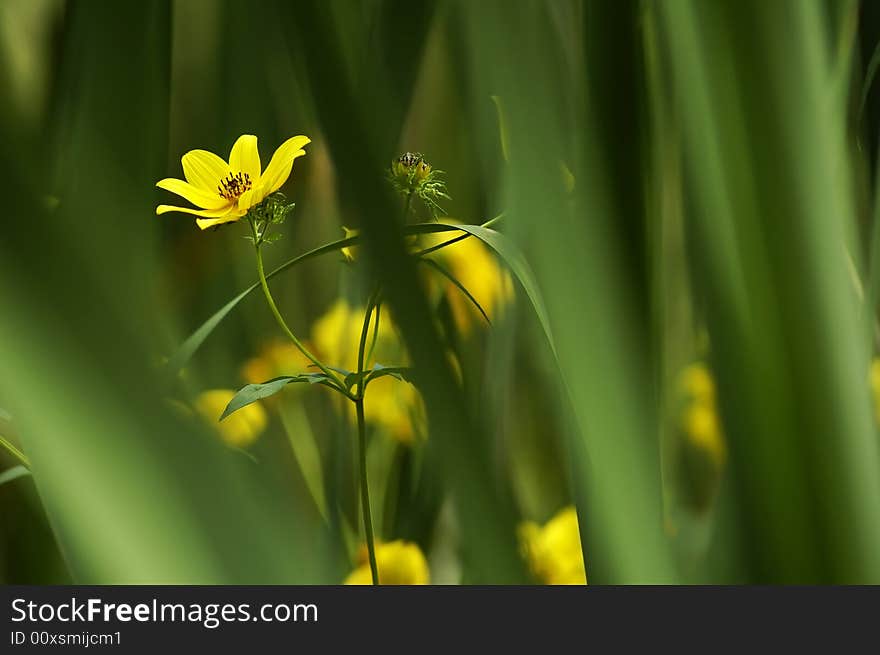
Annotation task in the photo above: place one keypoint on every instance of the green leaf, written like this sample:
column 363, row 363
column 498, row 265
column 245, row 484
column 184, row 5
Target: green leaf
column 188, row 348
column 251, row 393
column 449, row 276
column 13, row 474
column 344, row 372
column 402, row 373
column 4, row 415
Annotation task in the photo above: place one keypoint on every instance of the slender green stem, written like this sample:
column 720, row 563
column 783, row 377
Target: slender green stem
column 362, row 439
column 406, row 207
column 365, row 490
column 15, row 452
column 283, row 325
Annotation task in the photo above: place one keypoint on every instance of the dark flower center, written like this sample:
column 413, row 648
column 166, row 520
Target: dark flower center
column 234, row 185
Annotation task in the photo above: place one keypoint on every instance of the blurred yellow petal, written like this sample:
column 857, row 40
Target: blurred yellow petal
column 281, row 163
column 204, row 169
column 399, row 563
column 193, row 194
column 554, row 550
column 245, row 157
column 239, row 429
column 697, row 383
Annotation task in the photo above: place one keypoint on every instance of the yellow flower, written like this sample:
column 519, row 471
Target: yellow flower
column 224, row 191
column 337, row 336
column 399, row 563
column 394, row 406
column 474, row 265
column 275, row 358
column 240, row 428
column 554, row 551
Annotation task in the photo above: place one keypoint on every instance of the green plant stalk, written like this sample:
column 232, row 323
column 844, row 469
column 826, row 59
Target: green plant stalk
column 15, row 452
column 283, row 324
column 362, row 440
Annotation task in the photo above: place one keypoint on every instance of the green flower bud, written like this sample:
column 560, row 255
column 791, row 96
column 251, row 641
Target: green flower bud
column 411, row 175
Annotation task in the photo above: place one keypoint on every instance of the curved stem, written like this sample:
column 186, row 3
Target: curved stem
column 362, row 440
column 283, row 325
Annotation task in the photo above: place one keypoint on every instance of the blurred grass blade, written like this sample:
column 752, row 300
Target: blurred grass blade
column 14, row 450
column 14, row 473
column 795, row 400
column 305, row 450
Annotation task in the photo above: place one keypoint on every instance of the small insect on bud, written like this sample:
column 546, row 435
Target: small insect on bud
column 411, row 175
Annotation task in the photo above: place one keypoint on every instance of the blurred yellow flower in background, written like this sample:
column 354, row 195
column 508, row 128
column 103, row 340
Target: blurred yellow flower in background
column 700, row 422
column 553, row 551
column 399, row 563
column 390, row 404
column 472, row 263
column 224, row 191
column 239, row 429
column 701, row 447
column 275, row 358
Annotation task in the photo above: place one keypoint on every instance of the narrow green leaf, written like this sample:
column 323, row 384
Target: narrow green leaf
column 13, row 474
column 344, row 372
column 449, row 276
column 251, row 393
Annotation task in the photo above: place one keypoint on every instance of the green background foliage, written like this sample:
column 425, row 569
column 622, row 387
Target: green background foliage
column 722, row 208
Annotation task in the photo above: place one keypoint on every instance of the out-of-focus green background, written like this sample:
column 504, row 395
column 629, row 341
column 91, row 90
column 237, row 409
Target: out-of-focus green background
column 691, row 184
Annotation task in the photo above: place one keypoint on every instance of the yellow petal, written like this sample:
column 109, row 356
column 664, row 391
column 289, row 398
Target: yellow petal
column 281, row 163
column 245, row 157
column 195, row 195
column 207, row 213
column 204, row 169
column 205, row 223
column 249, row 198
